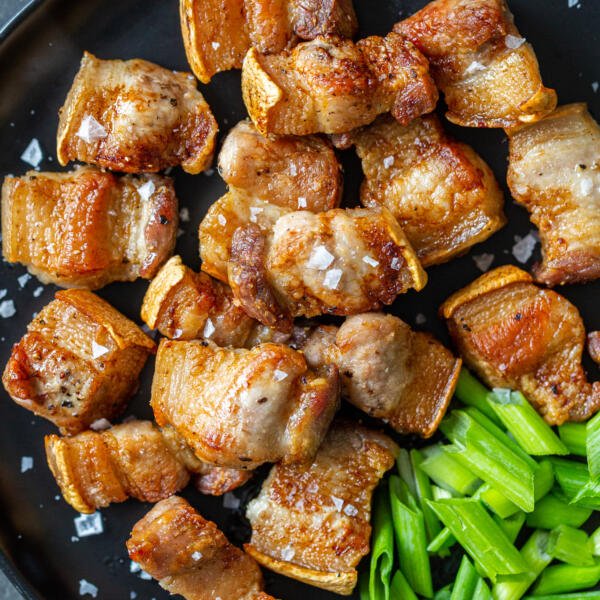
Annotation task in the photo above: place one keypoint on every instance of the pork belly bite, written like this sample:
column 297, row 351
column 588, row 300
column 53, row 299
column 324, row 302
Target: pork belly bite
column 78, row 362
column 332, row 85
column 516, row 335
column 87, row 228
column 241, row 408
column 311, row 522
column 189, row 555
column 340, row 262
column 135, row 116
column 289, row 171
column 217, row 34
column 186, row 305
column 554, row 171
column 442, row 193
column 489, row 73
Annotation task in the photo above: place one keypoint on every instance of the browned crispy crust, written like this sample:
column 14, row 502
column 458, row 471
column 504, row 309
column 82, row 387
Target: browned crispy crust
column 516, row 335
column 311, row 521
column 594, row 345
column 486, row 83
column 87, row 228
column 190, row 556
column 216, row 481
column 553, row 173
column 52, row 370
column 153, row 118
column 443, row 194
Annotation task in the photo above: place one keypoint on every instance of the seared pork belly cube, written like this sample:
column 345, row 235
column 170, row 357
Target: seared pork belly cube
column 135, row 116
column 444, row 196
column 311, row 521
column 553, row 172
column 190, row 556
column 488, row 72
column 516, row 335
column 333, row 85
column 87, row 228
column 78, row 362
column 240, row 408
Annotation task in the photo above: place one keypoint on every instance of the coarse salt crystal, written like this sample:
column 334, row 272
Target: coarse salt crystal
column 33, row 155
column 320, row 258
column 293, row 170
column 98, row 350
column 26, row 463
column 230, row 501
column 177, row 333
column 572, row 3
column 279, row 375
column 474, row 67
column 7, row 309
column 222, row 220
column 595, row 86
column 132, row 595
column 350, row 510
column 87, row 525
column 100, row 424
column 254, row 212
column 90, row 130
column 370, row 261
column 586, row 185
column 420, row 319
column 523, row 248
column 338, row 503
column 215, row 45
column 513, row 41
column 74, row 539
column 146, row 190
column 388, row 161
column 196, row 555
column 38, row 291
column 85, row 587
column 144, row 575
column 302, row 202
column 395, row 263
column 288, row 553
column 134, row 567
column 3, row 293
column 209, row 328
column 23, row 279
column 483, row 261
column 332, row 278
column 184, row 215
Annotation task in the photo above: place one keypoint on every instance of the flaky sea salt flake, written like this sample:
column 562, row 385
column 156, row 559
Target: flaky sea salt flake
column 184, row 215
column 370, row 261
column 86, row 525
column 87, row 588
column 100, row 425
column 350, row 510
column 513, row 42
column 320, row 258
column 90, row 130
column 7, row 309
column 332, row 278
column 523, row 248
column 302, row 202
column 196, row 556
column 209, row 329
column 98, row 350
column 338, row 503
column 146, row 190
column 230, row 501
column 474, row 67
column 23, row 279
column 279, row 375
column 33, row 155
column 38, row 291
column 388, row 161
column 483, row 261
column 26, row 463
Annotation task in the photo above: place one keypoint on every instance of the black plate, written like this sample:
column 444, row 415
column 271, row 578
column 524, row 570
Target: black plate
column 38, row 60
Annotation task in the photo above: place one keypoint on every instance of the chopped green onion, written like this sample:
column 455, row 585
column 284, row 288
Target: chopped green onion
column 411, row 539
column 400, row 588
column 405, row 470
column 552, row 511
column 482, row 591
column 511, row 525
column 570, row 545
column 498, row 503
column 447, row 472
column 471, row 392
column 465, row 582
column 382, row 554
column 439, row 493
column 441, row 542
column 576, row 596
column 593, row 446
column 485, row 456
column 595, row 542
column 444, row 594
column 424, row 492
column 480, row 536
column 544, row 479
column 574, row 437
column 524, row 423
column 535, row 554
column 567, row 578
column 574, row 480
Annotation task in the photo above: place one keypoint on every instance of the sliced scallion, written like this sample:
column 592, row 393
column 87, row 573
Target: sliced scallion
column 472, row 393
column 511, row 525
column 382, row 553
column 553, row 510
column 574, row 480
column 574, row 437
column 424, row 492
column 593, row 446
column 558, row 579
column 570, row 545
column 400, row 588
column 447, row 472
column 466, row 580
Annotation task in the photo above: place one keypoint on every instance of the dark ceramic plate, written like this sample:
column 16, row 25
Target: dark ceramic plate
column 39, row 55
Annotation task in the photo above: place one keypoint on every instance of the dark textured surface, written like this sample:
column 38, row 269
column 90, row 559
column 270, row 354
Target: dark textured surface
column 37, row 64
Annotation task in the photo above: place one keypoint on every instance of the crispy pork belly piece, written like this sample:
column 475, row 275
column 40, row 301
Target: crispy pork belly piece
column 442, row 193
column 186, row 305
column 240, row 408
column 189, row 555
column 338, row 262
column 290, row 171
column 78, row 362
column 332, row 85
column 132, row 460
column 405, row 377
column 311, row 522
column 554, row 171
column 516, row 335
column 217, row 34
column 87, row 228
column 489, row 74
column 135, row 116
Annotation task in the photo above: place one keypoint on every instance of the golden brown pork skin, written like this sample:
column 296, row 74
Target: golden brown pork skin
column 519, row 336
column 135, row 116
column 218, row 33
column 190, row 556
column 332, row 85
column 444, row 196
column 289, row 171
column 405, row 377
column 311, row 522
column 489, row 74
column 554, row 171
column 78, row 362
column 241, row 408
column 340, row 262
column 87, row 228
